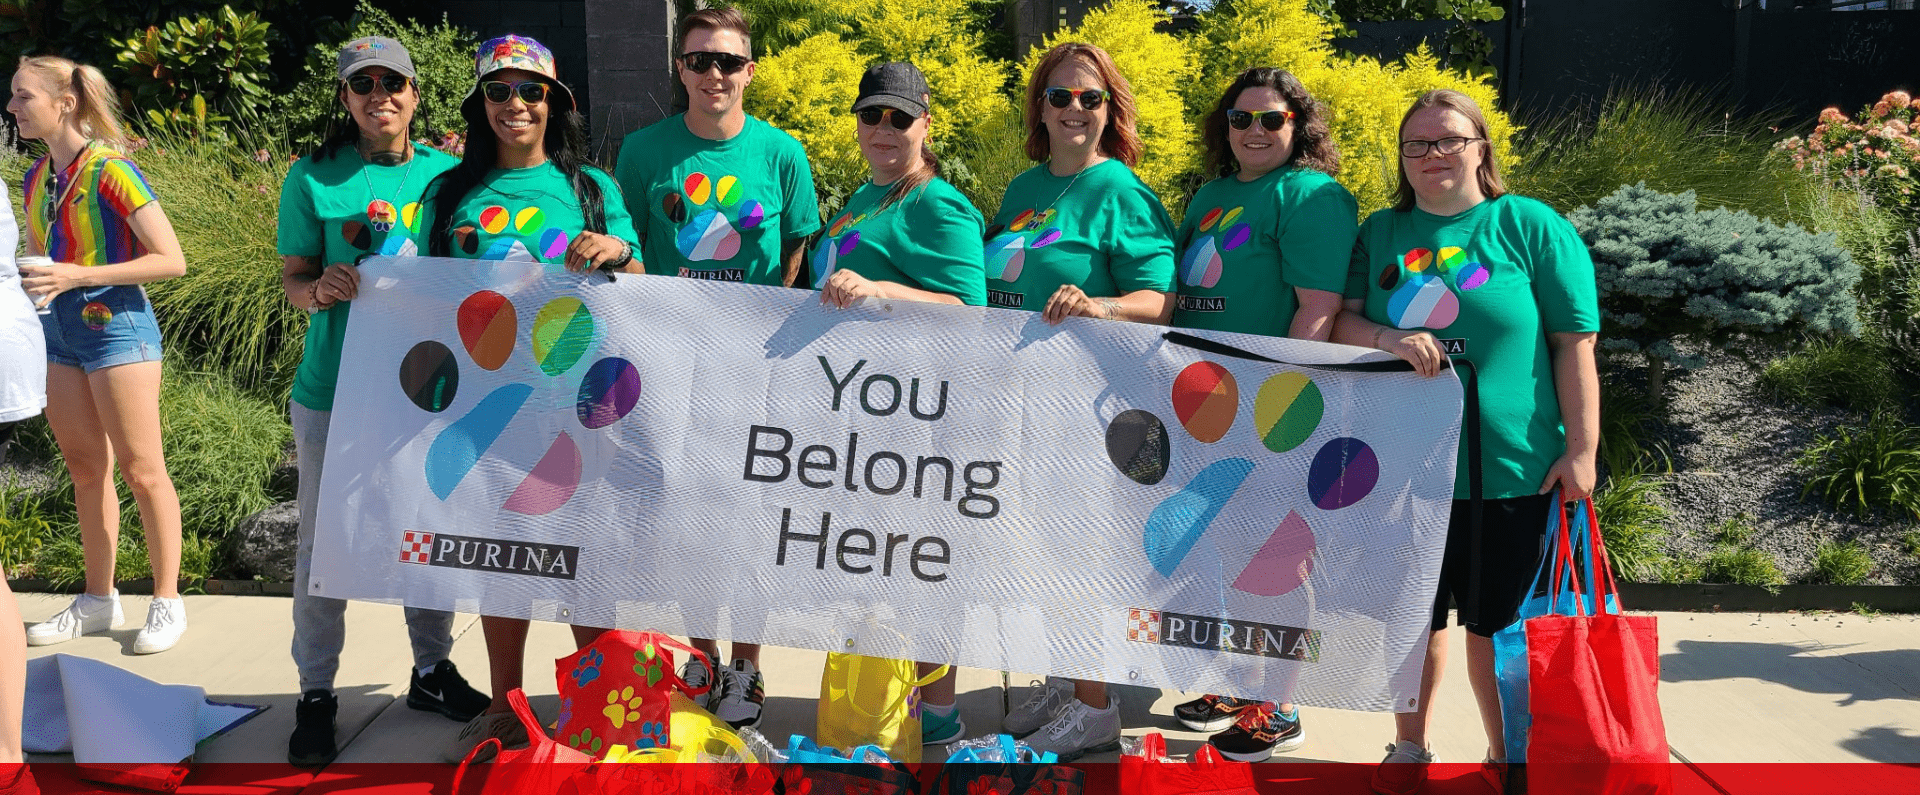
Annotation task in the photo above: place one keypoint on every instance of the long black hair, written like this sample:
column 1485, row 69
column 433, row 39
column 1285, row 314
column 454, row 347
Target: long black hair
column 344, row 133
column 566, row 144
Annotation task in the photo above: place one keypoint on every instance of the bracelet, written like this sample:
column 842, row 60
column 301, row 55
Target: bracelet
column 313, row 297
column 626, row 256
column 1111, row 306
column 1379, row 330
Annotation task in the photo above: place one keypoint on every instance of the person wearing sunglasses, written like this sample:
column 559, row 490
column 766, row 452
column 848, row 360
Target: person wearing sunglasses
column 90, row 210
column 1263, row 251
column 906, row 234
column 1079, row 235
column 718, row 194
column 354, row 195
column 526, row 159
column 1458, row 267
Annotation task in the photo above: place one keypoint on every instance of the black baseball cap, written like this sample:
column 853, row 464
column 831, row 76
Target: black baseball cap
column 894, row 84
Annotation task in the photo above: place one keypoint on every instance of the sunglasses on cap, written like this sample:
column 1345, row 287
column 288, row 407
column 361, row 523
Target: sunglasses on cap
column 900, row 119
column 532, row 92
column 1090, row 99
column 1271, row 120
column 363, row 84
column 700, row 61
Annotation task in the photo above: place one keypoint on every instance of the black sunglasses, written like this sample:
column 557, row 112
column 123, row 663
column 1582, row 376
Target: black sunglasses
column 532, row 92
column 393, row 82
column 1271, row 120
column 900, row 119
column 699, row 62
column 1090, row 99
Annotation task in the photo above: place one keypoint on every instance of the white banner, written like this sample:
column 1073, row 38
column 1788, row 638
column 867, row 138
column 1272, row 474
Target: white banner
column 898, row 479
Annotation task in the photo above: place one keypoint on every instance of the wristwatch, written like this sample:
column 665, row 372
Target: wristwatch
column 626, row 256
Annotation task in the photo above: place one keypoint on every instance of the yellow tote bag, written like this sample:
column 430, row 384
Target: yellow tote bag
column 872, row 701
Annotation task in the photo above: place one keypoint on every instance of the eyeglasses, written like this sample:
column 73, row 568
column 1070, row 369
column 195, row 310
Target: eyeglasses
column 1450, row 145
column 1271, row 120
column 1090, row 99
column 900, row 119
column 393, row 82
column 532, row 92
column 700, row 62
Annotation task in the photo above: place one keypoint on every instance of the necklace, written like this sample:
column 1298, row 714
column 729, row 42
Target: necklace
column 381, row 214
column 1037, row 218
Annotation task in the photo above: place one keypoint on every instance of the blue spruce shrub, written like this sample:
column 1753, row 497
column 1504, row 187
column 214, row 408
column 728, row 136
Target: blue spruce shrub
column 1669, row 272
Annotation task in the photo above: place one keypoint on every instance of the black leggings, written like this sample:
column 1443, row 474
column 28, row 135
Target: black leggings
column 6, row 436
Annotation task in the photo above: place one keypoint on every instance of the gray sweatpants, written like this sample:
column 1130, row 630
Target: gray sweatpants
column 320, row 623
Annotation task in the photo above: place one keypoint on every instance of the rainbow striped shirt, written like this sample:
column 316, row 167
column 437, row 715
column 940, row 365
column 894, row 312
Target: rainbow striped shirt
column 97, row 193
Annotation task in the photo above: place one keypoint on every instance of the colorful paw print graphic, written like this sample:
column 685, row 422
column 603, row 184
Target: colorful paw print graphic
column 566, row 712
column 587, row 668
column 1007, row 246
column 1286, row 412
column 718, row 211
column 1216, row 234
column 1424, row 298
column 650, row 664
column 562, row 335
column 842, row 238
column 490, row 235
column 377, row 236
column 622, row 706
column 585, row 741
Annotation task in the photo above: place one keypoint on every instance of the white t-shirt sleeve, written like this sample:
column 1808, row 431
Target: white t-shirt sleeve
column 23, row 352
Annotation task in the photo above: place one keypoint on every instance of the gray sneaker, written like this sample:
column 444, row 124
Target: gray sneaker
column 1079, row 730
column 697, row 675
column 1045, row 699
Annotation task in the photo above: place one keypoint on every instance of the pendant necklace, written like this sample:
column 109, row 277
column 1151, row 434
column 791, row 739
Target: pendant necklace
column 381, row 214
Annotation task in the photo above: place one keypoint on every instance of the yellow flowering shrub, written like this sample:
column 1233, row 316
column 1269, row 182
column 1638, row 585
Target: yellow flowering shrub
column 1365, row 97
column 1158, row 66
column 806, row 90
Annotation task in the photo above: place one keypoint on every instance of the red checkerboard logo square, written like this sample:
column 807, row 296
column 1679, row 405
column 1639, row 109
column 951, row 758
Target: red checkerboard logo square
column 1143, row 625
column 416, row 547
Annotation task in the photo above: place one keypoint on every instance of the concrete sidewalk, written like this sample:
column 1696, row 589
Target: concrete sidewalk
column 1797, row 687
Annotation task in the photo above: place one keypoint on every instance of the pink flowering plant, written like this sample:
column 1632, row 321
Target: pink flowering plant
column 1876, row 150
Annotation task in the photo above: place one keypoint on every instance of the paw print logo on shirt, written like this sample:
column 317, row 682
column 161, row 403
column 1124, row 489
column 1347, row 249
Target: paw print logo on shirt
column 528, row 223
column 1286, row 413
column 1216, row 234
column 717, row 210
column 380, row 227
column 1007, row 246
column 561, row 336
column 1424, row 298
column 622, row 706
column 842, row 238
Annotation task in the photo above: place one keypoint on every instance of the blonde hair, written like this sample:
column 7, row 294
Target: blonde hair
column 96, row 109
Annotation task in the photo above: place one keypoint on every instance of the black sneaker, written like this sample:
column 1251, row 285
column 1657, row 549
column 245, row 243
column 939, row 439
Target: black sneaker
column 445, row 692
column 1211, row 713
column 312, row 742
column 1258, row 733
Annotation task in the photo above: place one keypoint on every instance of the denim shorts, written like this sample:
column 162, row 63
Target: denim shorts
column 101, row 327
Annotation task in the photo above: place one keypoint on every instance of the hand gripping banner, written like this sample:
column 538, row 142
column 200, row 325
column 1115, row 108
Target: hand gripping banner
column 905, row 480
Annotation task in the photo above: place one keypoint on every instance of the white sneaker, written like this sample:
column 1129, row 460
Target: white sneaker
column 166, row 622
column 1043, row 701
column 1079, row 729
column 741, row 695
column 697, row 675
column 88, row 614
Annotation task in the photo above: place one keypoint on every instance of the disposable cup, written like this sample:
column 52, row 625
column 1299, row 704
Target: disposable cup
column 27, row 260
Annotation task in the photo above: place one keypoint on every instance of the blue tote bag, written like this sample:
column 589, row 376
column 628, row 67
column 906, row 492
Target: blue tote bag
column 1510, row 644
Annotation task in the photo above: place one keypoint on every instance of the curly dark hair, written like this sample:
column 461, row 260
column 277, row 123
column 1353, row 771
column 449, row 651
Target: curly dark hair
column 1313, row 145
column 566, row 145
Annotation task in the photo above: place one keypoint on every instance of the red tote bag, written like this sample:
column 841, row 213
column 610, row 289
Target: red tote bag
column 1593, row 689
column 615, row 691
column 1152, row 773
column 544, row 766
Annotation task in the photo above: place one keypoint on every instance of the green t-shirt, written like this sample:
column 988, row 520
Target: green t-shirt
column 717, row 209
column 1102, row 230
column 338, row 209
column 929, row 240
column 526, row 214
column 1491, row 283
column 1245, row 246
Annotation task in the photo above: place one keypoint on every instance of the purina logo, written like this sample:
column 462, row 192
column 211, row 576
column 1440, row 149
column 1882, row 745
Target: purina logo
column 1162, row 628
column 555, row 561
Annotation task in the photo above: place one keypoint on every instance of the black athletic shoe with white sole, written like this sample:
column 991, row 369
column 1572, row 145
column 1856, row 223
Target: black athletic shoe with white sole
column 1258, row 733
column 312, row 742
column 446, row 692
column 1211, row 713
